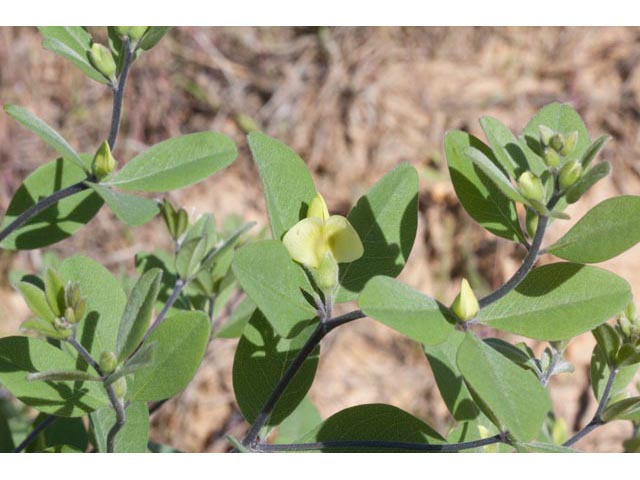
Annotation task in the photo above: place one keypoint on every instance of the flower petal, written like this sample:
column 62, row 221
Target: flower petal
column 343, row 240
column 305, row 242
column 318, row 208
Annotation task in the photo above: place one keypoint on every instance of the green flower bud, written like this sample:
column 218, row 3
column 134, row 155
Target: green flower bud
column 122, row 31
column 79, row 309
column 465, row 306
column 570, row 144
column 71, row 293
column 531, row 187
column 120, row 387
column 545, row 134
column 62, row 327
column 625, row 326
column 108, row 362
column 532, row 222
column 136, row 33
column 103, row 162
column 559, row 433
column 182, row 223
column 557, row 142
column 327, row 273
column 569, row 174
column 101, row 58
column 70, row 315
column 551, row 157
column 630, row 311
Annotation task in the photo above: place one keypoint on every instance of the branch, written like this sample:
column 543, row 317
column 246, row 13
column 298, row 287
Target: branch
column 596, row 421
column 323, row 328
column 118, row 94
column 49, row 420
column 177, row 290
column 422, row 447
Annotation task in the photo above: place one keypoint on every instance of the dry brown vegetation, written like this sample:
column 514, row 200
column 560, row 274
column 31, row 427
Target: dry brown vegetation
column 354, row 102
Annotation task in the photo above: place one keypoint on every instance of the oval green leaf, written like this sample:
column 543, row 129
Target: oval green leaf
column 402, row 308
column 131, row 209
column 176, row 163
column 513, row 397
column 607, row 230
column 132, row 438
column 559, row 301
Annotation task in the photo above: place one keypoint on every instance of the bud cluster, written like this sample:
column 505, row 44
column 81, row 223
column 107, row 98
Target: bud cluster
column 556, row 148
column 176, row 221
column 628, row 324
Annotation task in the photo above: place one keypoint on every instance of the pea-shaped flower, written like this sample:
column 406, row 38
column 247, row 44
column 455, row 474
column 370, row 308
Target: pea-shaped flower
column 312, row 238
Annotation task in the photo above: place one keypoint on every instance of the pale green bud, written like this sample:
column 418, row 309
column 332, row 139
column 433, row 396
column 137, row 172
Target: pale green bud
column 120, row 387
column 101, row 58
column 625, row 326
column 79, row 309
column 559, row 431
column 570, row 143
column 551, row 157
column 108, row 362
column 62, row 327
column 531, row 187
column 465, row 306
column 569, row 174
column 557, row 142
column 532, row 222
column 327, row 273
column 70, row 315
column 545, row 134
column 103, row 162
column 136, row 33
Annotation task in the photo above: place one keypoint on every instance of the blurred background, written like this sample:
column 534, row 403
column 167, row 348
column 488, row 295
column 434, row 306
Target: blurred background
column 353, row 102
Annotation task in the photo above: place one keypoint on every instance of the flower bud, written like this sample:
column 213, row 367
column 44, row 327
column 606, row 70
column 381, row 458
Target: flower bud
column 551, row 157
column 557, row 142
column 62, row 327
column 327, row 274
column 559, row 431
column 465, row 306
column 569, row 174
column 625, row 326
column 545, row 134
column 71, row 293
column 531, row 187
column 136, row 33
column 570, row 144
column 532, row 222
column 103, row 162
column 70, row 315
column 108, row 362
column 101, row 58
column 79, row 309
column 120, row 387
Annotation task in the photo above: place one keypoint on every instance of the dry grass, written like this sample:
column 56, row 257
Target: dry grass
column 354, row 102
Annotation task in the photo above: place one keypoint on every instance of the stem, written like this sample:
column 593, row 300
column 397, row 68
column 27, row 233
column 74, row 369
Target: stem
column 85, row 354
column 527, row 264
column 35, row 432
column 596, row 421
column 422, row 447
column 177, row 289
column 323, row 328
column 121, row 419
column 118, row 95
column 41, row 206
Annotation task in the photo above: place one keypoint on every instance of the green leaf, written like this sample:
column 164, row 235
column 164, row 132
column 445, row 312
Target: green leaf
column 145, row 357
column 73, row 43
column 190, row 255
column 260, row 361
column 275, row 283
column 131, row 209
column 137, row 313
column 37, row 301
column 42, row 327
column 599, row 375
column 607, row 230
column 54, row 289
column 182, row 340
column 479, row 196
column 558, row 301
column 176, row 163
column 299, row 423
column 152, row 36
column 105, row 303
column 513, row 397
column 373, row 422
column 58, row 221
column 20, row 356
column 46, row 133
column 62, row 376
column 588, row 180
column 627, row 409
column 505, row 146
column 6, row 439
column 561, row 118
column 627, row 355
column 454, row 392
column 608, row 340
column 386, row 219
column 235, row 325
column 494, row 174
column 402, row 308
column 593, row 150
column 132, row 438
column 288, row 187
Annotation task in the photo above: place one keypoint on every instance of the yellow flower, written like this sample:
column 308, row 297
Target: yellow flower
column 309, row 240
